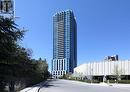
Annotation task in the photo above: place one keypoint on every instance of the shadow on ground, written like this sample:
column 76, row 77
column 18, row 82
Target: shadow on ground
column 48, row 84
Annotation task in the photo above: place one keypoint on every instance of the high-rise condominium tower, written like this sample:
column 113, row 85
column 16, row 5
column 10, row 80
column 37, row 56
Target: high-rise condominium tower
column 64, row 43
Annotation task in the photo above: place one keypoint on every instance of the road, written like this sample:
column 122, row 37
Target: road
column 75, row 86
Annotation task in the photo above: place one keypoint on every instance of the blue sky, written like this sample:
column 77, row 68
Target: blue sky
column 103, row 27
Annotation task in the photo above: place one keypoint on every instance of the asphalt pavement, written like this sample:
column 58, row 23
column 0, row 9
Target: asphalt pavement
column 75, row 86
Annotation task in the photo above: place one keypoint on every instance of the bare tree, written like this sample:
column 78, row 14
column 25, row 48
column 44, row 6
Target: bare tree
column 117, row 72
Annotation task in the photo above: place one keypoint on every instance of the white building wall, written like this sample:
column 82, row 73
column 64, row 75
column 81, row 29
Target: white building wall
column 128, row 67
column 94, row 69
column 103, row 68
column 106, row 68
column 99, row 68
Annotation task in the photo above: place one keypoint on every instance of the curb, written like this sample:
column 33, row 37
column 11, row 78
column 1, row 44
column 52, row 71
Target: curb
column 42, row 85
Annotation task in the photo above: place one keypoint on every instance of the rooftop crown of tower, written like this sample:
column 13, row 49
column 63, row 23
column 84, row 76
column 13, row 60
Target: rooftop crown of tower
column 7, row 8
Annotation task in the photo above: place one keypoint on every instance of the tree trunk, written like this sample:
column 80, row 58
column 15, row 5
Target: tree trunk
column 11, row 86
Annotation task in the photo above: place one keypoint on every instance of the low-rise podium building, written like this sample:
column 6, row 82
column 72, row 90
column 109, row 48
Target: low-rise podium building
column 104, row 68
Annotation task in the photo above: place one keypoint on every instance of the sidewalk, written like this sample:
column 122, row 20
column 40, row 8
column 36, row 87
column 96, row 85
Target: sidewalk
column 115, row 84
column 34, row 88
column 30, row 89
column 121, row 86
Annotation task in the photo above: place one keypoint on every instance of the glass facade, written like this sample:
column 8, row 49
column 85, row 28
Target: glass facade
column 64, row 43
